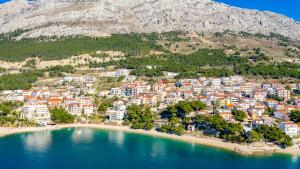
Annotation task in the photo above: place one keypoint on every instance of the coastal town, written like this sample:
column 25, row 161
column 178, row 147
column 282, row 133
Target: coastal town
column 264, row 103
column 151, row 84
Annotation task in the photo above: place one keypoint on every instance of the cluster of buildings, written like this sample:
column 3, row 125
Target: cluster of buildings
column 68, row 93
column 37, row 104
column 221, row 95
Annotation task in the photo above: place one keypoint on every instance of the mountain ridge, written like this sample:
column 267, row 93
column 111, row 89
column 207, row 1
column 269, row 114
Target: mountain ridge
column 105, row 17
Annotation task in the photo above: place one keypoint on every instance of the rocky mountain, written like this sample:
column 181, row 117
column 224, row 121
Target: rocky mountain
column 104, row 17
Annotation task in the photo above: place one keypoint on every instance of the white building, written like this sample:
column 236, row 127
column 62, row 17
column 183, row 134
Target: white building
column 103, row 93
column 88, row 110
column 15, row 97
column 170, row 75
column 215, row 81
column 39, row 113
column 237, row 78
column 86, row 101
column 69, row 101
column 118, row 111
column 116, row 115
column 122, row 72
column 116, row 91
column 283, row 93
column 290, row 128
column 74, row 109
column 68, row 78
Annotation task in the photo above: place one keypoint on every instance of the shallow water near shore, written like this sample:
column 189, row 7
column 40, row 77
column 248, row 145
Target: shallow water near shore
column 85, row 148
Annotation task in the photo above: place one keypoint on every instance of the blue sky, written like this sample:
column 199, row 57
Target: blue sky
column 289, row 8
column 286, row 7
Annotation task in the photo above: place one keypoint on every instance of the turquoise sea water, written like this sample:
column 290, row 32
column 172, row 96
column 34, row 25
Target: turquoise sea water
column 105, row 149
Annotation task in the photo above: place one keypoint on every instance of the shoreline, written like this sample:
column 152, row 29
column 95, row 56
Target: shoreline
column 205, row 141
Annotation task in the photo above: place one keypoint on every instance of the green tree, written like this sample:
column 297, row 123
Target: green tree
column 186, row 121
column 174, row 120
column 253, row 136
column 197, row 105
column 121, row 78
column 170, row 111
column 233, row 129
column 183, row 108
column 239, row 115
column 61, row 116
column 140, row 117
column 6, row 108
column 30, row 63
column 57, row 71
column 230, row 131
column 201, row 121
column 173, row 129
column 295, row 116
column 274, row 134
column 104, row 105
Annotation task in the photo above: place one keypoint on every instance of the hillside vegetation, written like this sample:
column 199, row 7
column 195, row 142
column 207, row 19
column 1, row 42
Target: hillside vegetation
column 25, row 80
column 207, row 62
column 189, row 54
column 60, row 48
column 275, row 46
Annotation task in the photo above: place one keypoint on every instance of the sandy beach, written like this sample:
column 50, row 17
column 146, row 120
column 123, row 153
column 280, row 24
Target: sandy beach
column 206, row 141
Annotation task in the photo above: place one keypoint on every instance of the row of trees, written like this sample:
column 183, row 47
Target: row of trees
column 57, row 71
column 147, row 72
column 234, row 132
column 183, row 108
column 178, row 115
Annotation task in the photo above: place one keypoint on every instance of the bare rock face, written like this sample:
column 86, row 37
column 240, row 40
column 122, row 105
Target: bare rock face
column 104, row 17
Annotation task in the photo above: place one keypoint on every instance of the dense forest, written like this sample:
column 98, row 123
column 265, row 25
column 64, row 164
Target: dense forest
column 56, row 48
column 19, row 81
column 207, row 62
column 24, row 80
column 177, row 62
